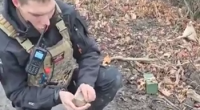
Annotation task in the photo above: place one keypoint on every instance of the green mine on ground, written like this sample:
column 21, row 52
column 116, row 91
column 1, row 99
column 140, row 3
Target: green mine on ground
column 151, row 83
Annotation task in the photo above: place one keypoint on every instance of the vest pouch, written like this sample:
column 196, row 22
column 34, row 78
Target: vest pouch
column 61, row 65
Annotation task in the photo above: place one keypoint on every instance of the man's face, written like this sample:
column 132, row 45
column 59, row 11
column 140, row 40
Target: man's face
column 36, row 12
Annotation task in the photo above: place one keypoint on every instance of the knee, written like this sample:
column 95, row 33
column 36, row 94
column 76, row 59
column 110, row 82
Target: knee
column 111, row 79
column 115, row 77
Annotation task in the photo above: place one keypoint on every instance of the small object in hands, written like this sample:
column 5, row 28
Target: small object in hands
column 79, row 100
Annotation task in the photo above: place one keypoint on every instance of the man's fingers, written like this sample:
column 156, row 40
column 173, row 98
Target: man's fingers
column 88, row 95
column 88, row 92
column 71, row 104
column 91, row 94
column 85, row 107
column 73, row 107
column 85, row 93
column 67, row 106
column 78, row 90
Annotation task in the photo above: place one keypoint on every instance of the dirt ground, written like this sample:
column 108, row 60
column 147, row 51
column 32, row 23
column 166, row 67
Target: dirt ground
column 120, row 36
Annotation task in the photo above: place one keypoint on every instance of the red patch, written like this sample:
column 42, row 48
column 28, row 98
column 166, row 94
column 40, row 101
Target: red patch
column 58, row 57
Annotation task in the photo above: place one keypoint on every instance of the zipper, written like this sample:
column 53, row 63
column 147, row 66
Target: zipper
column 1, row 66
column 80, row 35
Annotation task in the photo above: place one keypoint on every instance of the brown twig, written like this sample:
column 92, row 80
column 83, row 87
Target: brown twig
column 195, row 61
column 188, row 105
column 191, row 60
column 169, row 102
column 192, row 94
column 132, row 59
column 105, row 7
column 188, row 9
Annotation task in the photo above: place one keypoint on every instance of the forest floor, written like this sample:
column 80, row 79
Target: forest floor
column 141, row 36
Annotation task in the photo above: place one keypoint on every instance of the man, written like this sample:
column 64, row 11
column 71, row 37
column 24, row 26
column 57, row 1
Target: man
column 67, row 43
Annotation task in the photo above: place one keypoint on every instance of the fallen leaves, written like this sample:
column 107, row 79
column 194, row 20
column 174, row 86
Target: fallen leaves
column 178, row 74
column 172, row 84
column 122, row 34
column 106, row 60
column 165, row 92
column 182, row 94
column 141, row 84
column 158, row 9
column 182, row 54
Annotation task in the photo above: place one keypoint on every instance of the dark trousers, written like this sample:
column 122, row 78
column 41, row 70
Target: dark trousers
column 109, row 81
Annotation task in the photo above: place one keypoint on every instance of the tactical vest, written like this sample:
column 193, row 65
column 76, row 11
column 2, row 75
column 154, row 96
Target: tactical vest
column 62, row 64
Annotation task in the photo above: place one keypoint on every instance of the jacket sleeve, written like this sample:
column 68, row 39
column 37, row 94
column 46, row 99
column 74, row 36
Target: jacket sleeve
column 14, row 81
column 86, row 51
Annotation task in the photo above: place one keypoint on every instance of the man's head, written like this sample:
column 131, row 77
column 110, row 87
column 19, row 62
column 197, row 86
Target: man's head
column 38, row 12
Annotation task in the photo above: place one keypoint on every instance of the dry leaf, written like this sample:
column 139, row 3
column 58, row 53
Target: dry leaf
column 172, row 71
column 77, row 3
column 170, row 87
column 167, row 55
column 177, row 76
column 182, row 54
column 181, row 97
column 127, row 39
column 192, row 94
column 133, row 16
column 141, row 84
column 127, row 16
column 106, row 60
column 167, row 80
column 165, row 92
column 190, row 33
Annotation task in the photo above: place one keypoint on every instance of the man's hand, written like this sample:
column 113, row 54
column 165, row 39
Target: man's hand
column 66, row 99
column 88, row 92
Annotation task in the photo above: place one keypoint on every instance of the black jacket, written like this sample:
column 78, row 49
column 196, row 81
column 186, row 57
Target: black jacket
column 14, row 58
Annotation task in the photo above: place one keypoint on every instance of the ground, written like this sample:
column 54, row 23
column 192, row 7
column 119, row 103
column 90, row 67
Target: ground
column 146, row 30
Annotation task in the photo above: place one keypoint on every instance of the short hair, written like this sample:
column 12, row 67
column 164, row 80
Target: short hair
column 26, row 1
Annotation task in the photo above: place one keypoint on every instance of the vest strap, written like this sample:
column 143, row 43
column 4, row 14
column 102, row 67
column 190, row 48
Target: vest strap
column 7, row 27
column 10, row 31
column 63, row 30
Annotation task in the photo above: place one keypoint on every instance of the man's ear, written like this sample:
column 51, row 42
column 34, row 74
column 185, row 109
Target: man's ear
column 16, row 3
